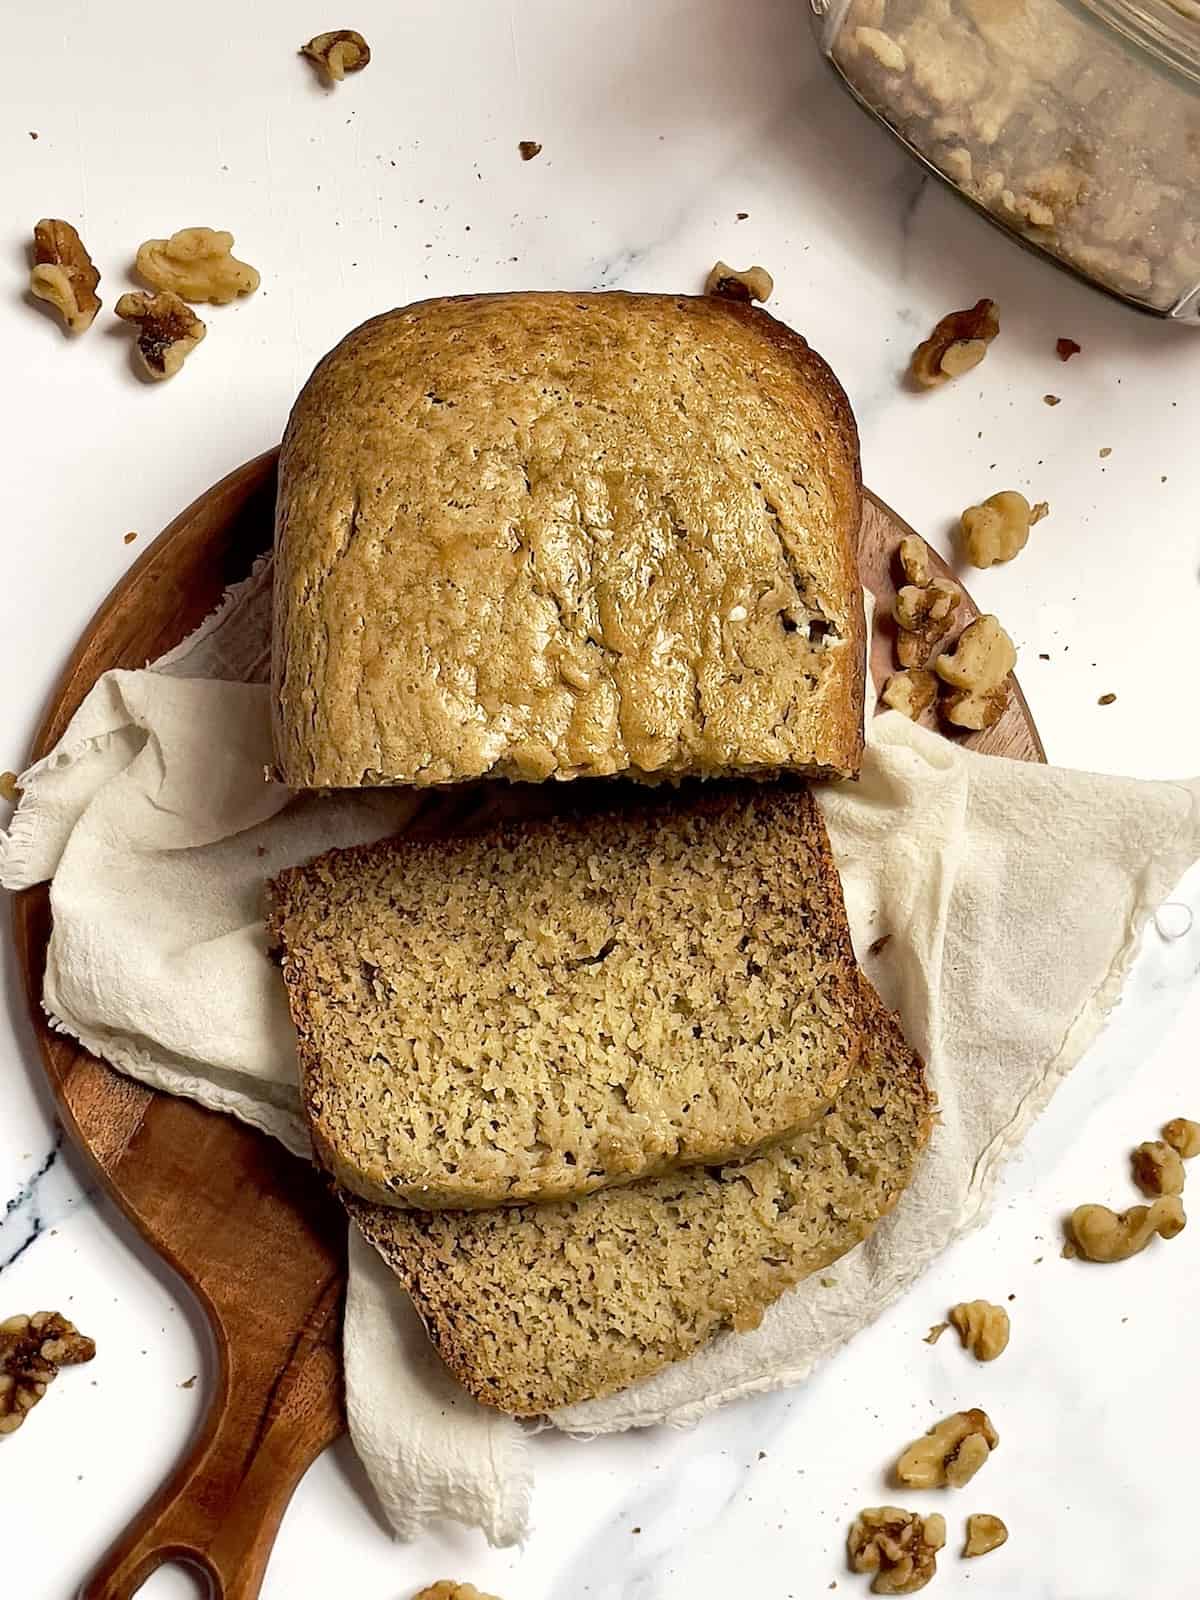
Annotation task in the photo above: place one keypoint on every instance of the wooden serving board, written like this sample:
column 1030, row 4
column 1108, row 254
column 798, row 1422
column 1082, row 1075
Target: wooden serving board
column 253, row 1231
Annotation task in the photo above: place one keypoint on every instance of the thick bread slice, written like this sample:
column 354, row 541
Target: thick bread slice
column 542, row 1306
column 545, row 535
column 544, row 1008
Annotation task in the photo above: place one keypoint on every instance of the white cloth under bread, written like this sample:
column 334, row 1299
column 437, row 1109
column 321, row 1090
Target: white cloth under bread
column 1011, row 898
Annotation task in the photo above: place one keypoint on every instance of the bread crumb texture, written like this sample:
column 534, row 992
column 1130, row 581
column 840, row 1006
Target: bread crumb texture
column 546, row 535
column 536, row 1307
column 538, row 1010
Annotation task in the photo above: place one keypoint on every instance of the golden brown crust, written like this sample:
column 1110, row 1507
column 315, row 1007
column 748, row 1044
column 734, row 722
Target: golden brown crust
column 549, row 535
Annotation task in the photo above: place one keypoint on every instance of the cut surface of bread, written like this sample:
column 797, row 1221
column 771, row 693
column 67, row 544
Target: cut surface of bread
column 539, row 1307
column 551, row 535
column 541, row 1009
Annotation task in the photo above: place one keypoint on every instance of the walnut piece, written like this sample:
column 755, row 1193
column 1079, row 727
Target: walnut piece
column 899, row 1547
column 443, row 1589
column 912, row 691
column 982, row 1327
column 63, row 274
column 958, row 343
column 977, row 674
column 952, row 1452
column 196, row 264
column 984, row 1534
column 168, row 331
column 998, row 529
column 1103, row 1235
column 914, row 561
column 882, row 46
column 1184, row 1136
column 754, row 283
column 10, row 789
column 1157, row 1169
column 32, row 1349
column 924, row 616
column 337, row 53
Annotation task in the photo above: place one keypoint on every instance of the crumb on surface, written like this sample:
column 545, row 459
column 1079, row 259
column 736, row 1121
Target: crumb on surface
column 1052, row 399
column 1106, row 451
column 1066, row 348
column 529, row 148
column 1106, row 700
column 129, row 538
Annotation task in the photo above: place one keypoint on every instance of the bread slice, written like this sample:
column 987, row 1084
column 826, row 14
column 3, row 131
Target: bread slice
column 542, row 1009
column 546, row 535
column 542, row 1306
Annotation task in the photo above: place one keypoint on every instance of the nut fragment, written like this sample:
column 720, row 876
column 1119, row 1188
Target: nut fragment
column 1184, row 1136
column 196, row 264
column 63, row 273
column 32, row 1349
column 1104, row 1235
column 998, row 529
column 912, row 691
column 959, row 342
column 168, row 332
column 1157, row 1169
column 914, row 561
column 1066, row 348
column 754, row 283
column 924, row 616
column 529, row 148
column 443, row 1589
column 883, row 47
column 337, row 53
column 982, row 1327
column 984, row 1533
column 9, row 788
column 977, row 672
column 899, row 1547
column 952, row 1452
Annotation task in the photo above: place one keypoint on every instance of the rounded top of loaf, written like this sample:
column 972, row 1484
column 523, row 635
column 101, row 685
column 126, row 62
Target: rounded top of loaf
column 550, row 535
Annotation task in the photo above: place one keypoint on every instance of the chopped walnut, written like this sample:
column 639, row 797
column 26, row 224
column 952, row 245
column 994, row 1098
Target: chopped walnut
column 443, row 1589
column 899, row 1547
column 998, row 529
column 168, row 331
column 754, row 283
column 337, row 53
column 1184, row 1136
column 1157, row 1169
column 1103, row 1235
column 32, row 1349
column 529, row 148
column 984, row 1534
column 9, row 788
column 914, row 561
column 63, row 274
column 912, row 691
column 882, row 46
column 958, row 343
column 924, row 616
column 196, row 264
column 977, row 674
column 952, row 1452
column 982, row 1327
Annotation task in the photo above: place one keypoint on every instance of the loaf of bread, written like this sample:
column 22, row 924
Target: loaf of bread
column 552, row 535
column 538, row 1307
column 541, row 1009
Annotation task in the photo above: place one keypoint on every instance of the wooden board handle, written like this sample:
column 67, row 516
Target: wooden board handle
column 221, row 1508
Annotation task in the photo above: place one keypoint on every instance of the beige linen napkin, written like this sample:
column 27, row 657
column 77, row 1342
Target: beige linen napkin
column 1012, row 898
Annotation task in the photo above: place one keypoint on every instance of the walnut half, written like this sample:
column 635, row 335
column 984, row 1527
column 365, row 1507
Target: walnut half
column 337, row 53
column 196, row 264
column 984, row 1534
column 63, row 274
column 444, row 1589
column 959, row 342
column 32, row 1349
column 982, row 1327
column 1157, row 1169
column 998, row 529
column 924, row 616
column 727, row 283
column 912, row 692
column 977, row 674
column 952, row 1452
column 168, row 331
column 1184, row 1136
column 1103, row 1235
column 899, row 1547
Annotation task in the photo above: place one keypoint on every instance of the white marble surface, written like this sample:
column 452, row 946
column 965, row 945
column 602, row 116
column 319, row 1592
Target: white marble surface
column 660, row 122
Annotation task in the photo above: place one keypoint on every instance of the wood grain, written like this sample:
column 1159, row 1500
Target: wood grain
column 251, row 1230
